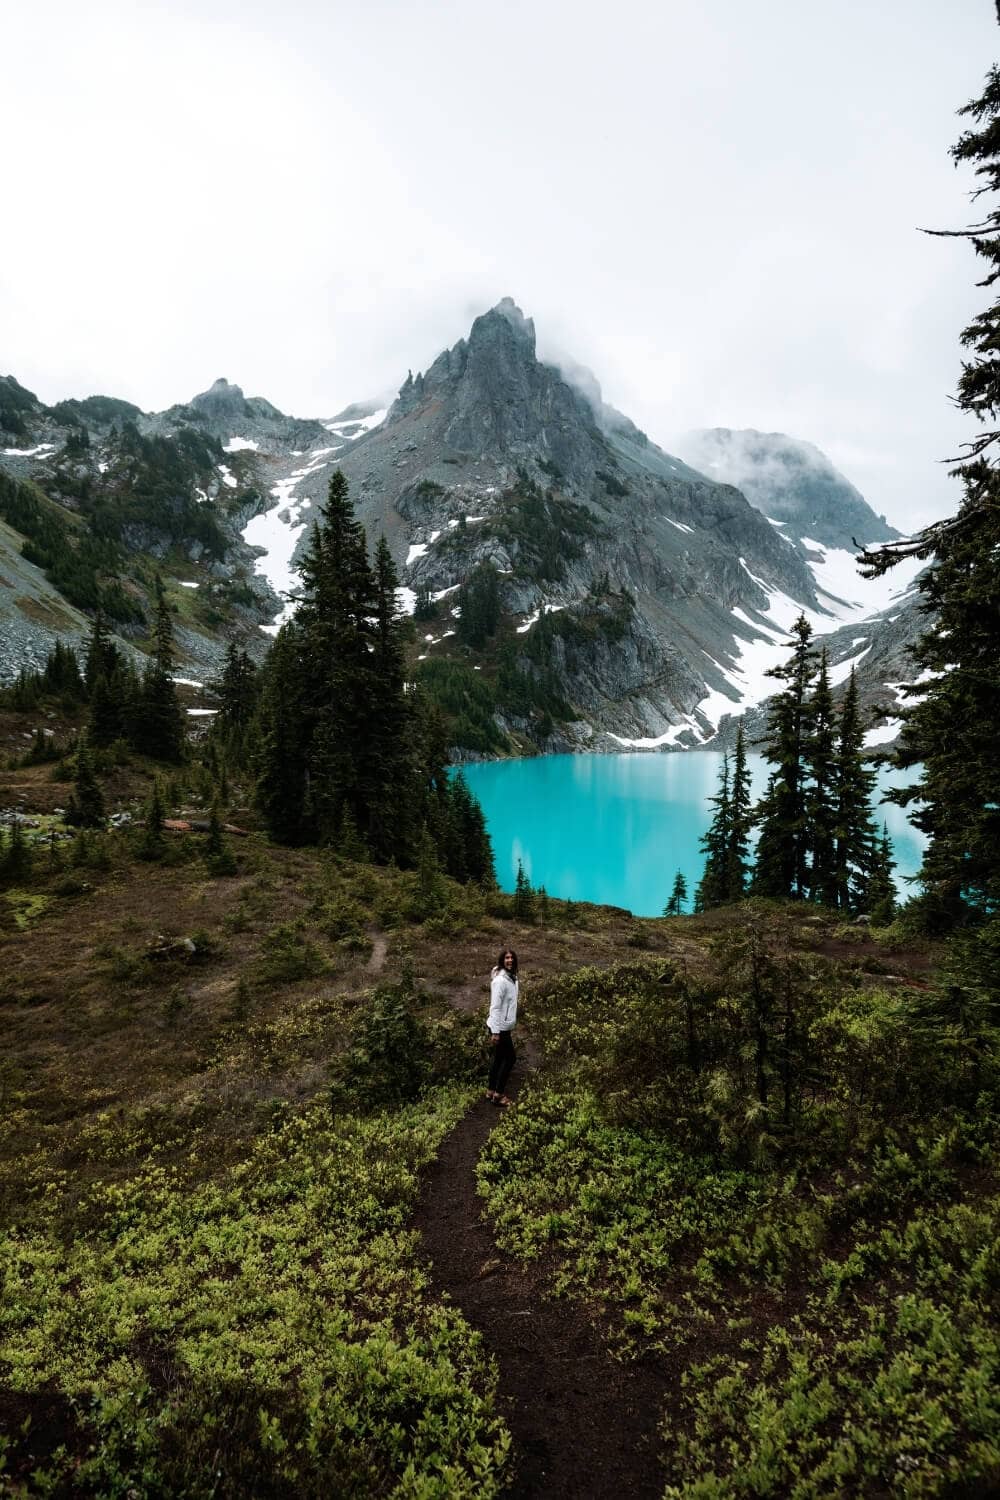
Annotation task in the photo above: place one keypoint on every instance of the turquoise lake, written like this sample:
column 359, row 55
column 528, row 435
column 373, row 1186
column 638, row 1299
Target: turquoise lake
column 617, row 828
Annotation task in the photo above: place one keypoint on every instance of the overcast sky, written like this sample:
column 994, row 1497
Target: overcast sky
column 715, row 207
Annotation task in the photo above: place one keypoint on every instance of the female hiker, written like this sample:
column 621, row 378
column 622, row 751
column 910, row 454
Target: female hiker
column 502, row 1019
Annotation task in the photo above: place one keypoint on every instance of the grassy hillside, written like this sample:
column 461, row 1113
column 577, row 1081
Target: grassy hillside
column 749, row 1151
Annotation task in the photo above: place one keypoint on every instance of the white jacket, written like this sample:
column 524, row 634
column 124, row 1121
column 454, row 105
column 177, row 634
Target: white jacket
column 503, row 1002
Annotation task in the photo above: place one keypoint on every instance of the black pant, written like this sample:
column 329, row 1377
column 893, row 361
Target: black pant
column 501, row 1062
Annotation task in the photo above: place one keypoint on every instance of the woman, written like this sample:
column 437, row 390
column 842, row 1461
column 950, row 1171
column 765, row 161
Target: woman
column 502, row 1019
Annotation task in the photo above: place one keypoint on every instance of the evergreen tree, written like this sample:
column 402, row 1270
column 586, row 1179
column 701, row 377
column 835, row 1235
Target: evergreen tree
column 152, row 843
column 86, row 803
column 238, row 692
column 524, row 897
column 715, row 844
column 949, row 727
column 736, row 863
column 284, row 719
column 218, row 856
column 881, row 889
column 102, row 655
column 385, row 765
column 16, row 860
column 473, row 858
column 105, row 716
column 821, row 794
column 678, row 896
column 159, row 726
column 479, row 603
column 781, row 868
column 61, row 674
column 855, row 828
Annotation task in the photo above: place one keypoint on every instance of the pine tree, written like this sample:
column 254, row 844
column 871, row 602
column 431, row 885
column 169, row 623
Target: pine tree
column 102, row 655
column 105, row 718
column 283, row 723
column 715, row 844
column 61, row 674
column 86, row 803
column 152, row 843
column 16, row 861
column 821, row 795
column 736, row 862
column 386, row 763
column 238, row 692
column 855, row 827
column 781, row 868
column 524, row 897
column 218, row 856
column 949, row 727
column 881, row 890
column 678, row 896
column 159, row 726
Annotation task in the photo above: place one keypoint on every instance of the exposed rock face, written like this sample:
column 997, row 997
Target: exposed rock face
column 486, row 420
column 791, row 481
column 664, row 591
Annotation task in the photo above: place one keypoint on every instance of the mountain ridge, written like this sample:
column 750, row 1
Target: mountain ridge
column 655, row 595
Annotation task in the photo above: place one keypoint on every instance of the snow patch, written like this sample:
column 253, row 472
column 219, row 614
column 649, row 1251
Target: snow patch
column 186, row 585
column 228, row 477
column 680, row 525
column 883, row 733
column 547, row 609
column 358, row 425
column 276, row 533
column 843, row 669
column 406, row 600
column 238, row 444
column 186, row 682
column 29, row 452
column 655, row 743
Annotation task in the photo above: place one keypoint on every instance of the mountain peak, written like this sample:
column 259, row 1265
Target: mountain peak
column 501, row 321
column 220, row 398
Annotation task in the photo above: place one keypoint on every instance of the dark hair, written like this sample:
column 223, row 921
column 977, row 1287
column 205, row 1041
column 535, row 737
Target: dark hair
column 500, row 958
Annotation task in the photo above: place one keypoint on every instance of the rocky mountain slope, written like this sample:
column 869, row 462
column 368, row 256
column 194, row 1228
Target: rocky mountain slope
column 607, row 594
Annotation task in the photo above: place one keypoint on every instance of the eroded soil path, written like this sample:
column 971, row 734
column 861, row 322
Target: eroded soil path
column 584, row 1426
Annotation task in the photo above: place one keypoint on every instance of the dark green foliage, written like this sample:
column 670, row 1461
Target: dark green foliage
column 158, row 730
column 152, row 841
column 881, row 891
column 218, row 855
column 524, row 897
column 238, row 691
column 479, row 602
column 711, row 890
column 81, row 565
column 859, row 883
column 677, row 898
column 949, row 727
column 345, row 754
column 781, row 868
column 15, row 854
column 86, row 803
column 820, row 759
column 59, row 678
column 542, row 531
column 61, row 674
column 152, row 484
column 99, row 411
column 469, row 701
column 15, row 403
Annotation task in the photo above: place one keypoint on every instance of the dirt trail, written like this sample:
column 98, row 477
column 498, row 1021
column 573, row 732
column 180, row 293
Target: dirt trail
column 583, row 1425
